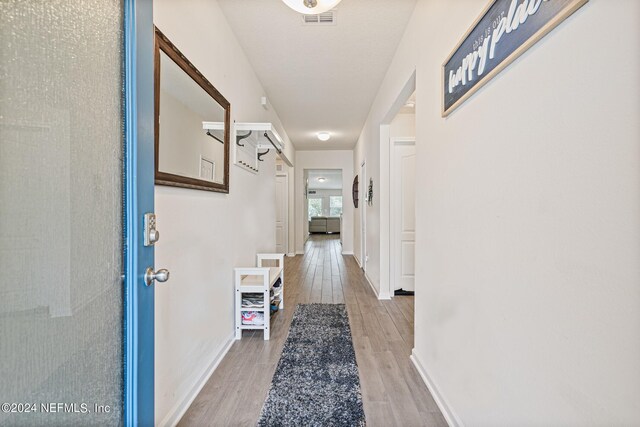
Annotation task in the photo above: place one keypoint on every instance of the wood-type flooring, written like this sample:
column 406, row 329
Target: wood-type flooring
column 393, row 392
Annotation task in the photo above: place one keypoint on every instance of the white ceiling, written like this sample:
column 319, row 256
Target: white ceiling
column 323, row 77
column 332, row 179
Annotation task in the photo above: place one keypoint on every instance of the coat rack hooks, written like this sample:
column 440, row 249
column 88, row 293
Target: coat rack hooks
column 241, row 137
column 266, row 135
column 259, row 140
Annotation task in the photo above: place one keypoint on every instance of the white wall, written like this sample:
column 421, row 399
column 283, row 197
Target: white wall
column 403, row 125
column 528, row 228
column 205, row 235
column 328, row 159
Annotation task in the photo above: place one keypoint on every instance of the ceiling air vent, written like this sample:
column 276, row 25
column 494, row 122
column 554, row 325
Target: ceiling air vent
column 327, row 18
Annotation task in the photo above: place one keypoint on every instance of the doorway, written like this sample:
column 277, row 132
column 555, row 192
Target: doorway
column 403, row 216
column 396, row 252
column 402, row 186
column 324, row 201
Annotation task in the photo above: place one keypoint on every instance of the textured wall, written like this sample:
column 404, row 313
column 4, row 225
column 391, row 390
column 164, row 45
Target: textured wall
column 61, row 168
column 528, row 228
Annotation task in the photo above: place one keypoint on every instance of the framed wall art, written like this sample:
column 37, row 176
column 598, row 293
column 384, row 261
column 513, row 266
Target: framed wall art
column 502, row 32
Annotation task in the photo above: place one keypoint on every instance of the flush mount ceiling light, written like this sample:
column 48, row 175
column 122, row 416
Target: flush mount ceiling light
column 323, row 136
column 321, row 179
column 311, row 7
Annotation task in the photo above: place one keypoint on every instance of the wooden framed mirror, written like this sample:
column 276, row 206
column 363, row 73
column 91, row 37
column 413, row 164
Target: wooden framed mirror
column 192, row 124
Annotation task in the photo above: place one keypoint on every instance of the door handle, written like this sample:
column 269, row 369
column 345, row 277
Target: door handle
column 150, row 276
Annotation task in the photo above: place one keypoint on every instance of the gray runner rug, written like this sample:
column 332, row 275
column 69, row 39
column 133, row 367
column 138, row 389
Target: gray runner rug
column 316, row 381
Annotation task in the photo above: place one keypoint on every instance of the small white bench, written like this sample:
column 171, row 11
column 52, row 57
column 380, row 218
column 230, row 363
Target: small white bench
column 256, row 280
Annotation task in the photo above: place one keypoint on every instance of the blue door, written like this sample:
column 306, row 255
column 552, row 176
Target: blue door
column 76, row 180
column 139, row 302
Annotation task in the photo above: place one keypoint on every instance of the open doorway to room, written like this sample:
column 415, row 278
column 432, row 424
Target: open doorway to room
column 397, row 133
column 402, row 186
column 323, row 207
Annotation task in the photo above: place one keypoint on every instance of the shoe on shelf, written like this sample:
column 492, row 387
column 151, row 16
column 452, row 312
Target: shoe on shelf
column 252, row 303
column 252, row 295
column 252, row 318
column 275, row 305
column 253, row 300
column 247, row 317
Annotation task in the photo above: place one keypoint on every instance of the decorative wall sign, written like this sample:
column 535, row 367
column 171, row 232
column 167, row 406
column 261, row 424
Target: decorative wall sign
column 504, row 31
column 370, row 193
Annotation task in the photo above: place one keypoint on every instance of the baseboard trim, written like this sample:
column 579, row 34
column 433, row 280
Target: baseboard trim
column 379, row 295
column 384, row 295
column 347, row 253
column 291, row 254
column 299, row 252
column 373, row 288
column 177, row 412
column 447, row 411
column 357, row 260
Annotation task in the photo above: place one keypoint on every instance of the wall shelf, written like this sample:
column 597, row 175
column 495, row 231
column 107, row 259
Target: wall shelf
column 252, row 139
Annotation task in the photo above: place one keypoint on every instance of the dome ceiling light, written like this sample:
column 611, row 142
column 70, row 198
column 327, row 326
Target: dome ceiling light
column 323, row 136
column 311, row 7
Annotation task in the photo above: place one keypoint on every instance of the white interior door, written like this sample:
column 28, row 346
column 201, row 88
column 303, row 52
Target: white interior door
column 403, row 215
column 282, row 186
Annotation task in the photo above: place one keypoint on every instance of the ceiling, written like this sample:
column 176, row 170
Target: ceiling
column 320, row 77
column 332, row 179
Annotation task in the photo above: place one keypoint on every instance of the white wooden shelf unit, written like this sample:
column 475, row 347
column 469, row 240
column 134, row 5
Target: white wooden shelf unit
column 259, row 280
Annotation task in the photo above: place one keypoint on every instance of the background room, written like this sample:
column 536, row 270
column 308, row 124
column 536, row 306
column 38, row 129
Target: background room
column 324, row 200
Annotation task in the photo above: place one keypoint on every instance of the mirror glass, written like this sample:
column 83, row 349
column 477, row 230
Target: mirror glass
column 192, row 124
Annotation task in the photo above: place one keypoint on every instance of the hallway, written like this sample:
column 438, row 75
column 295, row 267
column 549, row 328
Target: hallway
column 392, row 391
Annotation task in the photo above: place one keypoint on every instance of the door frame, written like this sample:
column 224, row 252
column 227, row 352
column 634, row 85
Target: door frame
column 305, row 210
column 393, row 199
column 363, row 217
column 139, row 199
column 285, row 175
column 385, row 181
